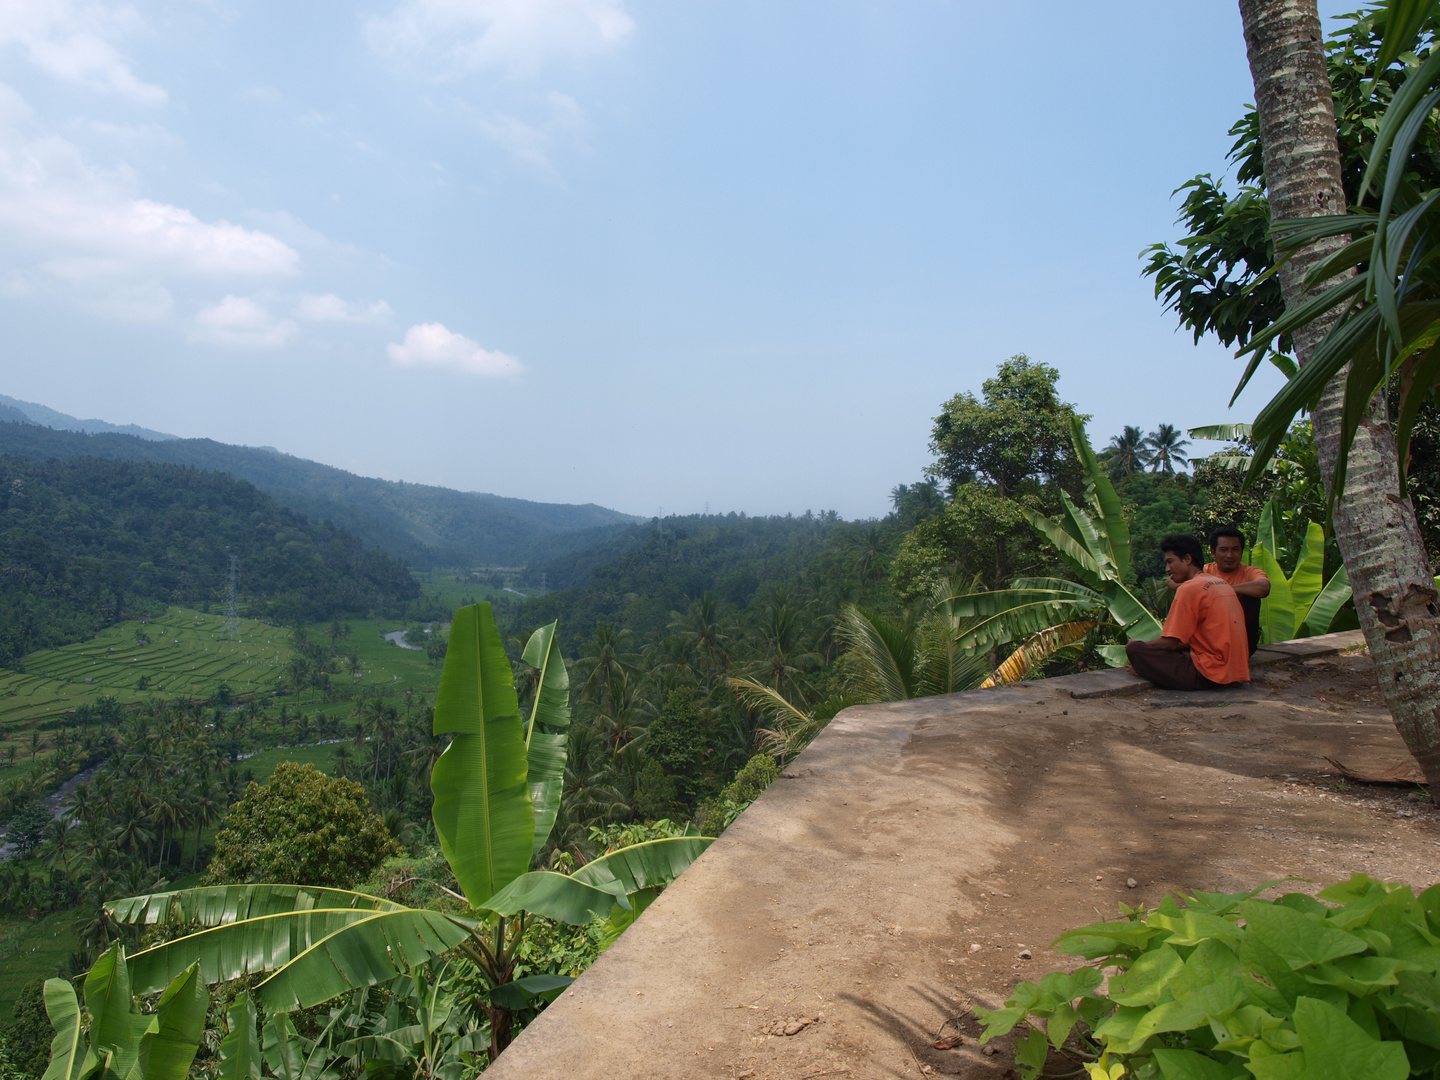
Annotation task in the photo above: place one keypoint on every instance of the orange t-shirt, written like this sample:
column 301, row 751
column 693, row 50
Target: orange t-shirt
column 1206, row 615
column 1241, row 575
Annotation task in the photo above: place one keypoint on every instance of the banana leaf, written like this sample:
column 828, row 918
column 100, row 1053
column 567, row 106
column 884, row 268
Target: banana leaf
column 1130, row 613
column 217, row 905
column 1309, row 576
column 621, row 919
column 1325, row 607
column 269, row 943
column 374, row 950
column 1265, row 531
column 641, row 866
column 1220, row 432
column 1036, row 649
column 556, row 896
column 518, row 993
column 240, row 1054
column 1277, row 611
column 483, row 812
column 1070, row 549
column 115, row 1028
column 1102, row 493
column 70, row 1055
column 168, row 1052
column 546, row 735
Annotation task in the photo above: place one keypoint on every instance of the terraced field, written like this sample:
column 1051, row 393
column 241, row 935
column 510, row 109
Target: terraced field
column 188, row 655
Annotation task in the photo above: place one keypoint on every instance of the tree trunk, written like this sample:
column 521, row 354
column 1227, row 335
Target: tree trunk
column 1395, row 594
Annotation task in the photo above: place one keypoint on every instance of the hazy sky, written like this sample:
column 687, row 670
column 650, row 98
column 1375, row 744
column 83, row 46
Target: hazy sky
column 652, row 255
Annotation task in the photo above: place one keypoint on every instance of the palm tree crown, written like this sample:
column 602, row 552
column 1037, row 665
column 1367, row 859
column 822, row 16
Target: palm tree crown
column 1167, row 449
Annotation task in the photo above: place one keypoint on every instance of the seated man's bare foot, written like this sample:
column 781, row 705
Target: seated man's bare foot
column 1131, row 669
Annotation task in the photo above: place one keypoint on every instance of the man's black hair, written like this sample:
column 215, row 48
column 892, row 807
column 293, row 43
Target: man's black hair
column 1225, row 530
column 1183, row 544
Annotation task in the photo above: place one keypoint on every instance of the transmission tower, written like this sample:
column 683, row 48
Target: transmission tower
column 232, row 602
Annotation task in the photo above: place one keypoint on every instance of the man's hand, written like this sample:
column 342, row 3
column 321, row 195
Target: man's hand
column 1169, row 644
column 1172, row 584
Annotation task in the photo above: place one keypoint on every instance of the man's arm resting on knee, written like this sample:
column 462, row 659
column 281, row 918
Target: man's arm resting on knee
column 1169, row 644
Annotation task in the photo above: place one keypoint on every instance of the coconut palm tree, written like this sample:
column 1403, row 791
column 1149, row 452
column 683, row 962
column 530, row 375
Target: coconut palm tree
column 1128, row 452
column 1166, row 447
column 1360, row 291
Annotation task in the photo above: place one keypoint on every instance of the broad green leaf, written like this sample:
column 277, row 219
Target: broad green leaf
column 546, row 732
column 1277, row 611
column 1147, row 978
column 1030, row 1053
column 1112, row 513
column 1308, row 577
column 1134, row 616
column 240, row 1056
column 621, row 919
column 1195, row 1010
column 1070, row 549
column 230, row 951
column 1299, row 940
column 482, row 811
column 1192, row 927
column 1265, row 531
column 282, row 1049
column 642, row 866
column 70, row 1056
column 1213, row 959
column 180, row 1021
column 217, row 905
column 519, row 993
column 115, row 1028
column 1337, row 1048
column 1193, row 1065
column 1356, row 975
column 1104, row 939
column 1328, row 604
column 373, row 950
column 557, row 896
column 1084, row 527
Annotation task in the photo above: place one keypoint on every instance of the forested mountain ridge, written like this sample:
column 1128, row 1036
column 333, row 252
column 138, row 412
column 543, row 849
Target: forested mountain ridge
column 30, row 412
column 85, row 541
column 422, row 524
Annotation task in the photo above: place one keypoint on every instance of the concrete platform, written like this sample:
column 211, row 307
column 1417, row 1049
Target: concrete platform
column 919, row 858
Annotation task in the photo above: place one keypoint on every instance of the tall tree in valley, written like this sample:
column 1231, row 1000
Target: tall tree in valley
column 1375, row 525
column 1167, row 449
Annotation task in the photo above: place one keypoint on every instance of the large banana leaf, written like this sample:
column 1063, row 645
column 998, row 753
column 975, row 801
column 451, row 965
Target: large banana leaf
column 115, row 1028
column 1107, row 502
column 264, row 944
column 1130, row 613
column 179, row 1021
column 642, row 866
column 482, row 810
column 556, row 896
column 1277, row 611
column 372, row 951
column 1265, row 533
column 1309, row 576
column 217, row 905
column 1070, row 549
column 546, row 733
column 1331, row 599
column 1082, row 525
column 1036, row 649
column 240, row 1053
column 70, row 1056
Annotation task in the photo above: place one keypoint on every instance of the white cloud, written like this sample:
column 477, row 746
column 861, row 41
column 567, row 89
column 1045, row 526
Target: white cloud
column 71, row 42
column 240, row 321
column 518, row 35
column 431, row 344
column 86, row 221
column 267, row 94
column 331, row 308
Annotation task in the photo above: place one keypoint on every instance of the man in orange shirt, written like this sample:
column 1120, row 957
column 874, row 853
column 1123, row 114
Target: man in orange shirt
column 1203, row 644
column 1227, row 543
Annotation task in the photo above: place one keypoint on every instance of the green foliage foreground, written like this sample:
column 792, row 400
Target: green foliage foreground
column 496, row 791
column 1227, row 986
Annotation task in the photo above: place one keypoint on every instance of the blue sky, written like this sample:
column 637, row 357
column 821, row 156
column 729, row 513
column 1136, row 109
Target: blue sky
column 652, row 255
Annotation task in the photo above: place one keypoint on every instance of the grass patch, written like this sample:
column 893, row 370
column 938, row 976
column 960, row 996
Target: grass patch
column 264, row 763
column 32, row 949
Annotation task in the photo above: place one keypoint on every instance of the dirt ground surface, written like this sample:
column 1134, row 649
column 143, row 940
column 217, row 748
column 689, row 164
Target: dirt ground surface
column 918, row 858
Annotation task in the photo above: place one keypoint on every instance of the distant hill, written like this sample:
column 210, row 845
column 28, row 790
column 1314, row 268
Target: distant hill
column 424, row 525
column 84, row 542
column 30, row 412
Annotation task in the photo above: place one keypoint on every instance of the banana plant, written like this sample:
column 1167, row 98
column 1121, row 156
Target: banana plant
column 120, row 1043
column 1302, row 603
column 496, row 791
column 1093, row 541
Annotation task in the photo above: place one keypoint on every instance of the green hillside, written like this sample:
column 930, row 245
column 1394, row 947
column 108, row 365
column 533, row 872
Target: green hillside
column 84, row 542
column 424, row 525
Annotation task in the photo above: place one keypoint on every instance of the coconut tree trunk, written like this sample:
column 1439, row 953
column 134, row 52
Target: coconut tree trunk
column 1375, row 526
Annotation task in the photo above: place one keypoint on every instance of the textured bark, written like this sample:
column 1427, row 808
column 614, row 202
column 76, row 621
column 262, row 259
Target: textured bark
column 1376, row 529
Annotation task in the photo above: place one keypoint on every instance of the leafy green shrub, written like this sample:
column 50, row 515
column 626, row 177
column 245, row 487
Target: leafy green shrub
column 1227, row 986
column 302, row 827
column 717, row 814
